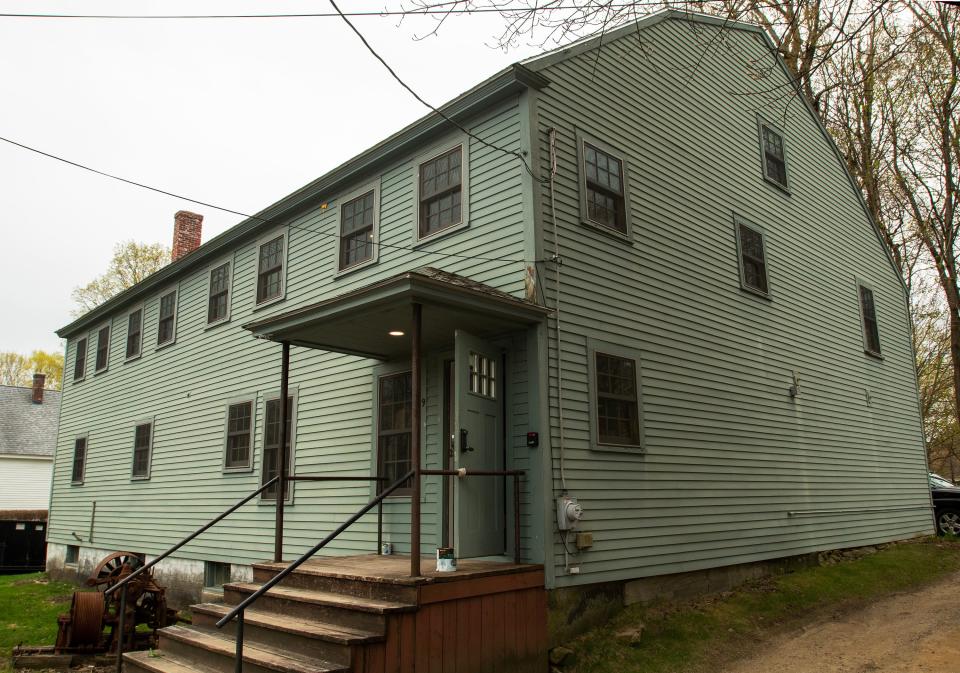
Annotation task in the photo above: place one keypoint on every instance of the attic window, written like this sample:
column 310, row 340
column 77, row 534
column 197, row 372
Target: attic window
column 604, row 177
column 774, row 155
column 868, row 314
column 440, row 192
column 80, row 361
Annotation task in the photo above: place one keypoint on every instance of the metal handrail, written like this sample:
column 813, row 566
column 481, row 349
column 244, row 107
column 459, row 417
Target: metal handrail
column 517, row 476
column 238, row 610
column 123, row 582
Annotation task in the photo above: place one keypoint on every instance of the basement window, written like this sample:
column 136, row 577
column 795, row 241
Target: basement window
column 72, row 555
column 215, row 574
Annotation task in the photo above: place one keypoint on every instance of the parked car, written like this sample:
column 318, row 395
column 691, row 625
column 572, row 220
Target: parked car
column 946, row 505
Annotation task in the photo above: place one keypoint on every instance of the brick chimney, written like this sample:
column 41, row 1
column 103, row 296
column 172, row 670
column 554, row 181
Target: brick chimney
column 186, row 233
column 38, row 381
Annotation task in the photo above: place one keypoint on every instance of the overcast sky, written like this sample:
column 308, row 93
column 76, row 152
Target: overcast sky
column 233, row 112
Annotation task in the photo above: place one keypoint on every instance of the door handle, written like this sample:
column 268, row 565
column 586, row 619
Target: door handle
column 464, row 444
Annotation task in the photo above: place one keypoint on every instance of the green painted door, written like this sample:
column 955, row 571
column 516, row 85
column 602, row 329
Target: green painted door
column 478, row 393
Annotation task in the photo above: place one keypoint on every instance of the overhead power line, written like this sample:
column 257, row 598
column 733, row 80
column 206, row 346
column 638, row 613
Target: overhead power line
column 207, row 204
column 427, row 11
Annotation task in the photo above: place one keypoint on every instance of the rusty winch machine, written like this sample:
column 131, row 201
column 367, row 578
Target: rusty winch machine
column 94, row 622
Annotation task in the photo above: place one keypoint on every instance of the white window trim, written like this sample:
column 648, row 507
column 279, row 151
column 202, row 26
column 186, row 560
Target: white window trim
column 206, row 307
column 346, row 198
column 294, row 393
column 252, row 400
column 860, row 282
column 176, row 315
column 86, row 455
column 583, row 137
column 737, row 221
column 761, row 122
column 143, row 315
column 461, row 141
column 280, row 231
column 86, row 356
column 96, row 348
column 153, row 436
column 593, row 347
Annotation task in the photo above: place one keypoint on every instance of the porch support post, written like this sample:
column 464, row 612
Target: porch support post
column 415, row 441
column 282, row 459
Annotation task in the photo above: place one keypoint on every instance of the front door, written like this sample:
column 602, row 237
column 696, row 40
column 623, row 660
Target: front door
column 478, row 434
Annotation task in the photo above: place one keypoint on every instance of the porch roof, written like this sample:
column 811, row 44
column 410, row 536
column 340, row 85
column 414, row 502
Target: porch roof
column 359, row 322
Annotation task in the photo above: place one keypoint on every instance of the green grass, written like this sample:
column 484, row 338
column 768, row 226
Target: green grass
column 29, row 605
column 695, row 637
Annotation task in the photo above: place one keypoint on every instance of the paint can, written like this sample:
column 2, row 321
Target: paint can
column 446, row 561
column 386, row 549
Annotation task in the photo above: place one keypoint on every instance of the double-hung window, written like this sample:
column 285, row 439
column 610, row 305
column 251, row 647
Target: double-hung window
column 80, row 360
column 167, row 323
column 102, row 357
column 604, row 198
column 271, row 256
column 440, row 189
column 134, row 333
column 358, row 218
column 271, row 446
column 868, row 315
column 774, row 154
column 239, row 435
column 79, row 460
column 142, row 450
column 615, row 405
column 218, row 295
column 394, row 429
column 753, row 260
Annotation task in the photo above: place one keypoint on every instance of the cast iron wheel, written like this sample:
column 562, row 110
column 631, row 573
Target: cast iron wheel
column 948, row 522
column 108, row 571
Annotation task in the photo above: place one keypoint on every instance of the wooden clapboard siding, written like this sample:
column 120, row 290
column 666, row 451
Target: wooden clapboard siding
column 727, row 452
column 185, row 387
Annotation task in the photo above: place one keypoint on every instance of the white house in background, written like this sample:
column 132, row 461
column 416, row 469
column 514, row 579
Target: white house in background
column 28, row 437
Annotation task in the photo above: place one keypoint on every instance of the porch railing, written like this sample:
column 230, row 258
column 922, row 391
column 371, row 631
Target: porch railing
column 220, row 517
column 238, row 611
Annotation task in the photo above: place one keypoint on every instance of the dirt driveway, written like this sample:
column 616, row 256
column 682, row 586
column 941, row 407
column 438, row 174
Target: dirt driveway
column 916, row 632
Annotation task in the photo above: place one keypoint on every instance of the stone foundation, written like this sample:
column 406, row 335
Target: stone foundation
column 182, row 578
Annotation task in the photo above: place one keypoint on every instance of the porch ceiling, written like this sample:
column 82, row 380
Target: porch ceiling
column 359, row 321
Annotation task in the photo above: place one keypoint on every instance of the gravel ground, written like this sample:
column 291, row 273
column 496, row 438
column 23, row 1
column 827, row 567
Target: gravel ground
column 915, row 632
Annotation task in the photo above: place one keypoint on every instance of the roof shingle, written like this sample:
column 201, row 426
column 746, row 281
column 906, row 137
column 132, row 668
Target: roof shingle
column 28, row 429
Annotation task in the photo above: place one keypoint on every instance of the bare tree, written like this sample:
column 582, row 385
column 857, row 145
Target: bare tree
column 131, row 263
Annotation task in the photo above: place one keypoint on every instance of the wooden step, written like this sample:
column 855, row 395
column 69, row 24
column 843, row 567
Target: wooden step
column 284, row 632
column 216, row 652
column 338, row 610
column 155, row 661
column 343, row 580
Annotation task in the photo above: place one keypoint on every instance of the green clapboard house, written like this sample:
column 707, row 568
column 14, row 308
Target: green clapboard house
column 643, row 277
